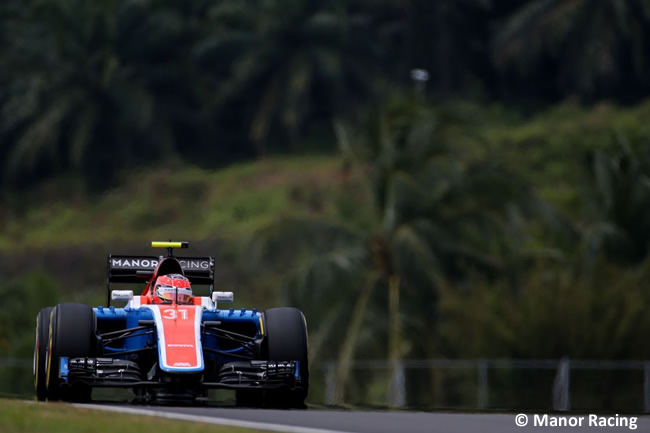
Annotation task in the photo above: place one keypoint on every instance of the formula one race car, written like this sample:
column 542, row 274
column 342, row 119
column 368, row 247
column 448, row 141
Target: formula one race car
column 168, row 345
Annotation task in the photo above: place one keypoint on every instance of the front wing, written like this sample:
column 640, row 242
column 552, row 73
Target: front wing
column 117, row 373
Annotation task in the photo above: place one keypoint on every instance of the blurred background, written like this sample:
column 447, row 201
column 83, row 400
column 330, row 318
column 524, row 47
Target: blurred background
column 455, row 192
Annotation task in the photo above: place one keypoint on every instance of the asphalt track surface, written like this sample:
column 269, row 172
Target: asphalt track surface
column 332, row 421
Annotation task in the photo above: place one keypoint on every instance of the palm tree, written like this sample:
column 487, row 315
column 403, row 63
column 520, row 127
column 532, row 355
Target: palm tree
column 438, row 216
column 91, row 86
column 291, row 60
column 618, row 202
column 592, row 49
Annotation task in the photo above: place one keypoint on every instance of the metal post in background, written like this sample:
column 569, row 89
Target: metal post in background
column 484, row 399
column 330, row 383
column 420, row 78
column 396, row 390
column 561, row 399
column 646, row 387
column 482, row 393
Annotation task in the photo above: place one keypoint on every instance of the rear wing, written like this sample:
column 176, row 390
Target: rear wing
column 138, row 269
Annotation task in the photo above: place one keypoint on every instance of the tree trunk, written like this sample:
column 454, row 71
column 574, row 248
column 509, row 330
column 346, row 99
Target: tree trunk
column 394, row 334
column 350, row 343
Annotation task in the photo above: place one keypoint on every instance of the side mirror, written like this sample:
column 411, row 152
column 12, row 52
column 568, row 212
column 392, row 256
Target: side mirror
column 122, row 295
column 222, row 297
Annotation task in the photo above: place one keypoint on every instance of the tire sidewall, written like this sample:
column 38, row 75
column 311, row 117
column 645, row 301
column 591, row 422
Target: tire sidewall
column 72, row 333
column 286, row 340
column 40, row 352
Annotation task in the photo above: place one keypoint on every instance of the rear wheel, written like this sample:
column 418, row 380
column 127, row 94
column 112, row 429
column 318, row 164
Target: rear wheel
column 286, row 335
column 40, row 352
column 71, row 334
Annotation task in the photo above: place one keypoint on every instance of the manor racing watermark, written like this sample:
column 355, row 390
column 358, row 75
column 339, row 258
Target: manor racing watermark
column 591, row 420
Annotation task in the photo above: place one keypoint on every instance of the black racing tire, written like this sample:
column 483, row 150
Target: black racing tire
column 72, row 333
column 40, row 352
column 286, row 340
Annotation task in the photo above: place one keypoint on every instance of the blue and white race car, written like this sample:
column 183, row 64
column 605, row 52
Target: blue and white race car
column 166, row 344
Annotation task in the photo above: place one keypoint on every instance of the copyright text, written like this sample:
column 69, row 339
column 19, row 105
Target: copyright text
column 545, row 420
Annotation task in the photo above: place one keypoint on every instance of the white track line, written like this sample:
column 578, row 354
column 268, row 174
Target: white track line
column 207, row 419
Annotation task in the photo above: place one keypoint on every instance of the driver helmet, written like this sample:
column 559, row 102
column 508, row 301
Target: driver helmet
column 172, row 287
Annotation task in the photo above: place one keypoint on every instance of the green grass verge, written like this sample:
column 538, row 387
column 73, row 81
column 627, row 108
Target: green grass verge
column 19, row 416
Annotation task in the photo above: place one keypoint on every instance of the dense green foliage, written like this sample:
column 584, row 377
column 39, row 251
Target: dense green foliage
column 95, row 88
column 25, row 296
column 467, row 258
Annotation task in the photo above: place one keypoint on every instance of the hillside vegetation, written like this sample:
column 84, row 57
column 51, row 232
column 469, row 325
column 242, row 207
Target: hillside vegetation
column 550, row 150
column 474, row 233
column 176, row 200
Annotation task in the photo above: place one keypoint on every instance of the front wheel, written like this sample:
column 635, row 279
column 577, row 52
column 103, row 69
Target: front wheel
column 286, row 340
column 71, row 334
